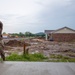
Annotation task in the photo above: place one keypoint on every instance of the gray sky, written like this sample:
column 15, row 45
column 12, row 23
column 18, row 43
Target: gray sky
column 36, row 15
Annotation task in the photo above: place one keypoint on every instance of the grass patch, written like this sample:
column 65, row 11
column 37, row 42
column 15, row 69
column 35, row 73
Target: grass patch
column 39, row 57
column 60, row 58
column 29, row 57
column 71, row 60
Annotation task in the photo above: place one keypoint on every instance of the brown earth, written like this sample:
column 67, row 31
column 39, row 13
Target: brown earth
column 15, row 43
column 42, row 46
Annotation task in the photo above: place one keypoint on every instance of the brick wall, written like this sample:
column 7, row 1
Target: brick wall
column 64, row 37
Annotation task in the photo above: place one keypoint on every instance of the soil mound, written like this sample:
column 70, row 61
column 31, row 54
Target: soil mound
column 15, row 43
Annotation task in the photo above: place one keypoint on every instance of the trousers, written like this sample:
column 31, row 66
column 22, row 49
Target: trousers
column 2, row 53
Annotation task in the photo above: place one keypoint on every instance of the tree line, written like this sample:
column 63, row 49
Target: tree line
column 27, row 34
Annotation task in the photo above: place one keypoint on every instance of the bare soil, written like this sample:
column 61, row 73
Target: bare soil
column 40, row 46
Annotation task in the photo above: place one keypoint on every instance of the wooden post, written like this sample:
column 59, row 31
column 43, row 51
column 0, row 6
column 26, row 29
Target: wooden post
column 24, row 48
column 27, row 51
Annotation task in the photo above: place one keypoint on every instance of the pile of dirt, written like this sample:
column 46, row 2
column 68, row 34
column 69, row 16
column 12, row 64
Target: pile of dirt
column 15, row 43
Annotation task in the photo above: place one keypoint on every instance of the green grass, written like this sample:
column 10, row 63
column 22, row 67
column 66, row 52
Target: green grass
column 60, row 58
column 39, row 57
column 29, row 57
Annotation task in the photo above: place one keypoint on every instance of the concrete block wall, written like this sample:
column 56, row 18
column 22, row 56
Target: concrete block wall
column 64, row 37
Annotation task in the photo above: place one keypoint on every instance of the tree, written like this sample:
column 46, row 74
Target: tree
column 4, row 32
column 40, row 34
column 21, row 34
column 28, row 34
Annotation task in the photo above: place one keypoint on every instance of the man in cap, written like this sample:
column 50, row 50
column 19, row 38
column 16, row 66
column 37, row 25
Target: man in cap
column 1, row 42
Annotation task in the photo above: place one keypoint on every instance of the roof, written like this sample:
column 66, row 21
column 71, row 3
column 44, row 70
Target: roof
column 65, row 27
column 49, row 31
column 54, row 31
column 64, row 30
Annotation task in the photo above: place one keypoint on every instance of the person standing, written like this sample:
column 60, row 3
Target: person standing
column 1, row 42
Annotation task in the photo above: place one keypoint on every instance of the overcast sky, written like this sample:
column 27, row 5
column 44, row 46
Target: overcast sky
column 36, row 15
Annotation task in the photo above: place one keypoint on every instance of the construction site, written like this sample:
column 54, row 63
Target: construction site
column 39, row 46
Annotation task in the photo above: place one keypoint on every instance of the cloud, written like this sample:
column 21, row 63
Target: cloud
column 60, row 14
column 37, row 15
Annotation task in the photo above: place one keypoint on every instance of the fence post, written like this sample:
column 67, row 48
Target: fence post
column 24, row 49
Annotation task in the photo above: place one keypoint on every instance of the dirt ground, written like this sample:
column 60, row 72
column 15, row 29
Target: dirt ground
column 39, row 46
